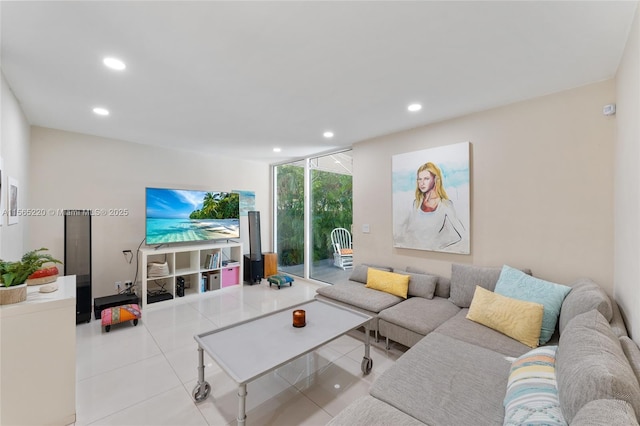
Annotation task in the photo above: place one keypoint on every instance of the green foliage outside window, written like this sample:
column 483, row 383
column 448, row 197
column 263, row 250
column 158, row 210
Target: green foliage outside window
column 331, row 207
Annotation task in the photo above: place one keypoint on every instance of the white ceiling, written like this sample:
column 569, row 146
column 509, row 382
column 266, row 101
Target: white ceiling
column 239, row 78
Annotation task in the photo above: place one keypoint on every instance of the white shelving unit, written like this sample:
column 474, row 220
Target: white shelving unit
column 192, row 263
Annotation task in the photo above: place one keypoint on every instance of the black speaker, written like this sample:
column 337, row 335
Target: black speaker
column 77, row 258
column 180, row 286
column 253, row 270
column 255, row 248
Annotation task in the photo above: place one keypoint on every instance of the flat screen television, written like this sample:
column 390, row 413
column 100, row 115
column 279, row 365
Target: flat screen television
column 185, row 215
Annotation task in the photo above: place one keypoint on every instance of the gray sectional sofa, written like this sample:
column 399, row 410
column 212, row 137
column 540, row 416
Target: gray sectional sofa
column 457, row 371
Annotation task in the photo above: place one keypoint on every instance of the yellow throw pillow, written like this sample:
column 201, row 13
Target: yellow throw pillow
column 517, row 319
column 389, row 282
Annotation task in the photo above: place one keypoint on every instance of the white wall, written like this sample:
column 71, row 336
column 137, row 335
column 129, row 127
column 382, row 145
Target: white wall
column 77, row 171
column 627, row 183
column 541, row 188
column 14, row 150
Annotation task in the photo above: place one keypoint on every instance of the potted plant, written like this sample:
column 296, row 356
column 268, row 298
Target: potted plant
column 14, row 274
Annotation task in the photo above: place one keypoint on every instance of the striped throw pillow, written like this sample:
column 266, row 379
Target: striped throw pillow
column 532, row 391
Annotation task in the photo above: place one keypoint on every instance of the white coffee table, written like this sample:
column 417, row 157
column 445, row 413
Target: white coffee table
column 252, row 348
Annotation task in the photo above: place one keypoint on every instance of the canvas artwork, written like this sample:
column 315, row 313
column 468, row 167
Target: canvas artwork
column 247, row 201
column 431, row 207
column 13, row 201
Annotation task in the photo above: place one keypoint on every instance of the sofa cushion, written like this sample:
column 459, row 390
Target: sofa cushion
column 419, row 314
column 591, row 365
column 358, row 295
column 359, row 273
column 532, row 391
column 389, row 282
column 515, row 283
column 461, row 328
column 632, row 353
column 443, row 381
column 421, row 285
column 584, row 296
column 367, row 411
column 617, row 322
column 605, row 412
column 465, row 278
column 443, row 285
column 515, row 318
column 395, row 333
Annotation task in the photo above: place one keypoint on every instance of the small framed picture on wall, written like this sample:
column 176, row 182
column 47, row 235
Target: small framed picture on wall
column 3, row 208
column 12, row 200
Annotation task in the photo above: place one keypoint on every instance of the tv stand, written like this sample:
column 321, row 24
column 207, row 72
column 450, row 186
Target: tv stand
column 195, row 264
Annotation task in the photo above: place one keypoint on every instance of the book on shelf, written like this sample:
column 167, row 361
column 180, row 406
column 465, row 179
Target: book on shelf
column 212, row 261
column 229, row 263
column 203, row 283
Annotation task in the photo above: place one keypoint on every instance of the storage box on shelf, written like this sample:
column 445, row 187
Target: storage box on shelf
column 188, row 270
column 230, row 276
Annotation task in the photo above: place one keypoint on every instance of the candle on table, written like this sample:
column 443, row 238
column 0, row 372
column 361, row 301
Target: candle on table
column 299, row 318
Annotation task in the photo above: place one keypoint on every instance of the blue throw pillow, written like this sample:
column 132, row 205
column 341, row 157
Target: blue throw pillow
column 518, row 285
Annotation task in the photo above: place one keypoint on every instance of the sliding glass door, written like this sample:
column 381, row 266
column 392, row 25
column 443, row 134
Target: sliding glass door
column 289, row 216
column 303, row 229
column 330, row 207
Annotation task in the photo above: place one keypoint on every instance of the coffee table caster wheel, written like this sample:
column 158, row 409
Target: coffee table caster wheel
column 366, row 365
column 201, row 391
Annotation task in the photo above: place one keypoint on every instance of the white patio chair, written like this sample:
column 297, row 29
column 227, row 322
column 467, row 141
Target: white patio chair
column 342, row 249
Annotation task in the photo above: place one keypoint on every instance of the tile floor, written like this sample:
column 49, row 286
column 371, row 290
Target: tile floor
column 144, row 375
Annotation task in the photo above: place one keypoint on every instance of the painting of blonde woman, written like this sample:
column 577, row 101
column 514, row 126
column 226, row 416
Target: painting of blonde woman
column 431, row 199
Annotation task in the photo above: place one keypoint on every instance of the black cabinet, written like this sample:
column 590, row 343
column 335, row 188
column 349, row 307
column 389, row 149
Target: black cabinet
column 77, row 258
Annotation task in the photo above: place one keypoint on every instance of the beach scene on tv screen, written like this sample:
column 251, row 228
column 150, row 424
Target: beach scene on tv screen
column 178, row 215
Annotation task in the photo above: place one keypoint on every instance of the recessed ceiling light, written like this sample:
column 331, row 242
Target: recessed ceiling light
column 277, row 149
column 414, row 107
column 101, row 111
column 328, row 134
column 114, row 63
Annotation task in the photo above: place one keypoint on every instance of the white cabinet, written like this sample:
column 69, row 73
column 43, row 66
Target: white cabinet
column 38, row 357
column 200, row 268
